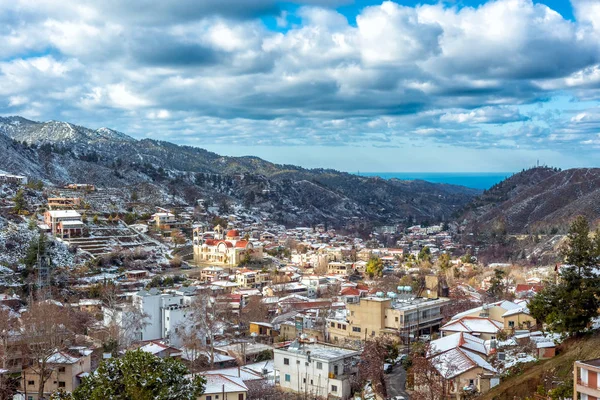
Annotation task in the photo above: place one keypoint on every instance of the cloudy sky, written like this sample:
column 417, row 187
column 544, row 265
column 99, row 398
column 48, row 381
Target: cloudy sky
column 463, row 85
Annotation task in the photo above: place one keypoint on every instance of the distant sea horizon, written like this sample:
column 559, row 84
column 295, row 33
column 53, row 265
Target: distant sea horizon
column 474, row 180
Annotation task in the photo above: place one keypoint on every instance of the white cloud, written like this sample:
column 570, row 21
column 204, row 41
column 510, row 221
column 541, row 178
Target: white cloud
column 399, row 72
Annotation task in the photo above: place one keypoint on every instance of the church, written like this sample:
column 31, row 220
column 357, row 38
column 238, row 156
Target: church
column 229, row 249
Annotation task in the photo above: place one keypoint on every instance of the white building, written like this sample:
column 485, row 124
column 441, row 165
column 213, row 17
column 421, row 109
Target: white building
column 317, row 369
column 8, row 178
column 165, row 311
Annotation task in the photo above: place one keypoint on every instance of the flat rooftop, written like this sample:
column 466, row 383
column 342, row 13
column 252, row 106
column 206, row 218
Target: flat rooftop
column 320, row 351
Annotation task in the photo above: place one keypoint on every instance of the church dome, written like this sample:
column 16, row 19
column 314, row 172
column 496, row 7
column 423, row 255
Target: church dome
column 233, row 233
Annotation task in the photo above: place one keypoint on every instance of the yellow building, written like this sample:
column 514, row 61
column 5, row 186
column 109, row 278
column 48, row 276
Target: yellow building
column 67, row 370
column 376, row 316
column 511, row 315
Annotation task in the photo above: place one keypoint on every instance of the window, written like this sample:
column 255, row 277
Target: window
column 339, row 326
column 493, row 337
column 216, row 396
column 335, row 369
column 287, row 378
column 333, row 324
column 61, row 369
column 286, row 361
column 355, row 329
column 208, row 397
column 344, row 327
column 352, row 313
column 311, row 381
column 30, row 383
column 511, row 324
column 303, row 380
column 471, row 382
column 396, row 319
column 241, row 396
column 61, row 384
column 319, row 365
column 29, row 397
column 334, row 388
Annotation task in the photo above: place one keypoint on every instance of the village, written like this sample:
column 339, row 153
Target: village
column 257, row 309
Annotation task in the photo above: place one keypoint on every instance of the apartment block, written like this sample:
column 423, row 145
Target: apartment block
column 586, row 385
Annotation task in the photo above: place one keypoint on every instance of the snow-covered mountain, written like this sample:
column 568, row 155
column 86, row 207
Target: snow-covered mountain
column 60, row 152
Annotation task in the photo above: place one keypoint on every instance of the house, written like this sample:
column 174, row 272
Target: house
column 512, row 315
column 163, row 219
column 518, row 318
column 8, row 178
column 251, row 279
column 211, row 273
column 339, row 268
column 81, row 186
column 316, row 369
column 58, row 203
column 463, row 372
column 224, row 387
column 160, row 350
column 461, row 361
column 64, row 222
column 484, row 328
column 586, row 385
column 262, row 329
column 68, row 368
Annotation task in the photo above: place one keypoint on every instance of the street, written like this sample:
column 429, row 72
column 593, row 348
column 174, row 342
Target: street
column 395, row 382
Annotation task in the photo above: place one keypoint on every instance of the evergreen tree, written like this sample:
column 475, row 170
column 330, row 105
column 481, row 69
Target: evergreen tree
column 497, row 285
column 140, row 376
column 20, row 203
column 569, row 306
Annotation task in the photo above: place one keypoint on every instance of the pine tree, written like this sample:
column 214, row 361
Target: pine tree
column 569, row 306
column 140, row 375
column 20, row 203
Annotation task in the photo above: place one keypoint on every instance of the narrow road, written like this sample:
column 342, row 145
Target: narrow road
column 395, row 382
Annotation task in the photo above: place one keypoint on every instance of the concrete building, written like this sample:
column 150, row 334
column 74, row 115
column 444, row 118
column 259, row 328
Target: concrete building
column 378, row 315
column 316, row 369
column 166, row 311
column 64, row 222
column 586, row 385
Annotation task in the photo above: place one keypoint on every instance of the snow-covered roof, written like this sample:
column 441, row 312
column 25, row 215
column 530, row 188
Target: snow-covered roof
column 62, row 358
column 235, row 372
column 463, row 340
column 473, row 325
column 64, row 214
column 457, row 361
column 221, row 383
column 519, row 310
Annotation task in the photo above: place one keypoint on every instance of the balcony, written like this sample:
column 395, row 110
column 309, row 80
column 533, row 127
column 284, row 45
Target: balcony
column 585, row 388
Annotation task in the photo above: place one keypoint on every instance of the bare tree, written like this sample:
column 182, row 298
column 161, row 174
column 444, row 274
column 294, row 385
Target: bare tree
column 254, row 311
column 374, row 355
column 207, row 317
column 45, row 330
column 125, row 321
column 431, row 374
column 8, row 326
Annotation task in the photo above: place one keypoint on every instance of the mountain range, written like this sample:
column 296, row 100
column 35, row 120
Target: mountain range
column 537, row 200
column 60, row 152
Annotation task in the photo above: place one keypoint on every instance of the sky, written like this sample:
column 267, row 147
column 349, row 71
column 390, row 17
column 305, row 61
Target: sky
column 405, row 85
